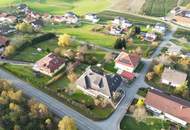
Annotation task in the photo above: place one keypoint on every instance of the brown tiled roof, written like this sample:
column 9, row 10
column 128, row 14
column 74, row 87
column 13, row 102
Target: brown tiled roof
column 131, row 60
column 3, row 41
column 174, row 106
column 50, row 63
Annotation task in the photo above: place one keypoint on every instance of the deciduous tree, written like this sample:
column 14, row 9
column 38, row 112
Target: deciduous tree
column 67, row 123
column 64, row 40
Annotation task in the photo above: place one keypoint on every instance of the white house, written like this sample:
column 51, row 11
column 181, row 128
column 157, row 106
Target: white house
column 127, row 62
column 150, row 37
column 122, row 22
column 168, row 107
column 115, row 30
column 71, row 18
column 161, row 28
column 49, row 65
column 92, row 17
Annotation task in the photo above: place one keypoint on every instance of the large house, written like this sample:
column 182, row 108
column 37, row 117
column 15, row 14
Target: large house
column 3, row 43
column 71, row 18
column 173, row 77
column 97, row 83
column 49, row 65
column 127, row 62
column 168, row 107
column 122, row 22
column 92, row 17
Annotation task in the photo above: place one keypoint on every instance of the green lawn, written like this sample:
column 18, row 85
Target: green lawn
column 31, row 54
column 84, row 33
column 27, row 74
column 77, row 100
column 158, row 7
column 129, row 123
column 80, row 7
column 110, row 15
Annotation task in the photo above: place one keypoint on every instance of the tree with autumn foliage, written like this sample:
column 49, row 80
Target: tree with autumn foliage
column 64, row 40
column 67, row 123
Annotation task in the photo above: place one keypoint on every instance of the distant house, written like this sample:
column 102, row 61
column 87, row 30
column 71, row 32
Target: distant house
column 115, row 30
column 23, row 8
column 127, row 62
column 122, row 22
column 6, row 18
column 168, row 107
column 186, row 14
column 174, row 50
column 150, row 37
column 176, row 10
column 37, row 24
column 3, row 43
column 96, row 83
column 6, row 29
column 71, row 18
column 161, row 28
column 92, row 17
column 29, row 19
column 173, row 77
column 47, row 17
column 58, row 19
column 49, row 65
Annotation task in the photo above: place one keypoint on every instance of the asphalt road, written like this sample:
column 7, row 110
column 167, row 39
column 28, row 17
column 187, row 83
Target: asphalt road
column 54, row 105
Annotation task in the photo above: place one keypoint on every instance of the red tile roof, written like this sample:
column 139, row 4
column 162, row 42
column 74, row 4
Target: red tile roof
column 128, row 75
column 50, row 63
column 174, row 106
column 131, row 60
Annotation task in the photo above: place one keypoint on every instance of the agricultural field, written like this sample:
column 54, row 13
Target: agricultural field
column 80, row 7
column 158, row 7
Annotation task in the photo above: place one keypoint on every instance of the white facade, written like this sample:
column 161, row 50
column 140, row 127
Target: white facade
column 166, row 116
column 160, row 29
column 120, row 21
column 169, row 83
column 92, row 17
column 115, row 31
column 124, row 67
column 44, row 71
column 92, row 92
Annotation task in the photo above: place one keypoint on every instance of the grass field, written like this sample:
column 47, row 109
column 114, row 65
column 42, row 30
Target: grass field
column 158, row 7
column 84, row 33
column 129, row 123
column 110, row 15
column 61, row 6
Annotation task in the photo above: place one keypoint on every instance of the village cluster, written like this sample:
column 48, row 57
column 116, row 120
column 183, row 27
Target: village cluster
column 167, row 68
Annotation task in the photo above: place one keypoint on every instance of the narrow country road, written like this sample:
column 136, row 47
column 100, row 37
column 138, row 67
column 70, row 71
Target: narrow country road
column 54, row 105
column 16, row 62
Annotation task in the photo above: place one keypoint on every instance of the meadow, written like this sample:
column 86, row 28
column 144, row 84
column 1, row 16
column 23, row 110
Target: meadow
column 80, row 7
column 158, row 8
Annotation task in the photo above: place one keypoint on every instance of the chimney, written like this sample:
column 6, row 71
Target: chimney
column 181, row 107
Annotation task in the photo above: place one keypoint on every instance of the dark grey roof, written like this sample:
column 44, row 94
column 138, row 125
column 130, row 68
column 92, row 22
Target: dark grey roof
column 38, row 22
column 103, row 83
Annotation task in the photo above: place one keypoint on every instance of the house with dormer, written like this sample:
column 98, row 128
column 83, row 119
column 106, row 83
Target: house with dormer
column 97, row 83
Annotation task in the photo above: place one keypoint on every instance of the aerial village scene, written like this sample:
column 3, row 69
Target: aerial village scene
column 94, row 64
